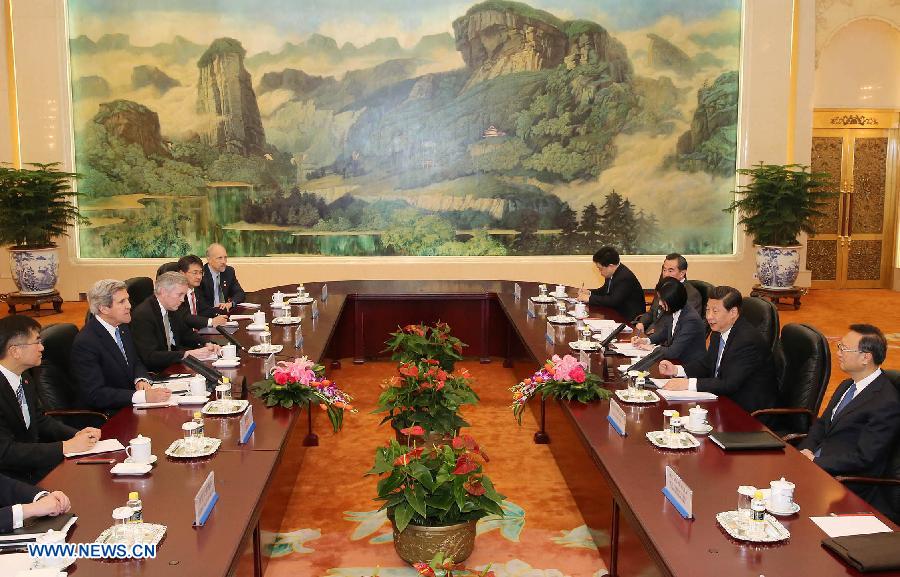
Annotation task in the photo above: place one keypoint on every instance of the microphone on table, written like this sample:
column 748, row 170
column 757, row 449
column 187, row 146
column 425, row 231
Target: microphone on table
column 605, row 342
column 229, row 338
column 211, row 374
column 648, row 361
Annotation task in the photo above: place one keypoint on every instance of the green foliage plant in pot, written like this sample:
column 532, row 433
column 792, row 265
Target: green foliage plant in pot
column 36, row 207
column 414, row 342
column 776, row 205
column 423, row 394
column 434, row 496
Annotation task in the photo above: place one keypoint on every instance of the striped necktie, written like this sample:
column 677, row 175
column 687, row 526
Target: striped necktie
column 20, row 396
column 121, row 344
column 719, row 355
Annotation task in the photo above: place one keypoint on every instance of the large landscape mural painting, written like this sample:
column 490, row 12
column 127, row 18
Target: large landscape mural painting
column 405, row 127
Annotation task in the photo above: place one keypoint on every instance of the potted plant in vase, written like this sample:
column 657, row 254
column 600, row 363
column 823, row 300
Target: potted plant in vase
column 422, row 393
column 434, row 496
column 414, row 342
column 35, row 208
column 779, row 203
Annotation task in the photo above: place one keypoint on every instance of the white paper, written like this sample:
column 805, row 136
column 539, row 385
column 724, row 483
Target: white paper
column 174, row 385
column 629, row 350
column 601, row 324
column 249, row 305
column 839, row 526
column 240, row 317
column 102, row 446
column 684, row 395
column 160, row 405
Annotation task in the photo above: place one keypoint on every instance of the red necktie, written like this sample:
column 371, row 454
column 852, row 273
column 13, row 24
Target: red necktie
column 193, row 301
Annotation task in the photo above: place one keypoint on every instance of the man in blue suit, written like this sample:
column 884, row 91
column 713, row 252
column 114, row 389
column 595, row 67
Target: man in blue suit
column 105, row 362
column 857, row 431
column 220, row 285
column 20, row 501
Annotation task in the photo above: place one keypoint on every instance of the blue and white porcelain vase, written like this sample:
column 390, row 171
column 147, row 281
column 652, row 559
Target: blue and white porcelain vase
column 34, row 270
column 777, row 267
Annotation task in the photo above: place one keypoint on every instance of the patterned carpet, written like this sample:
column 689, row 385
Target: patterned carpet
column 332, row 526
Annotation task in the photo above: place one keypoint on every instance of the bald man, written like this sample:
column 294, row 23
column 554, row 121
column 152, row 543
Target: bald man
column 220, row 286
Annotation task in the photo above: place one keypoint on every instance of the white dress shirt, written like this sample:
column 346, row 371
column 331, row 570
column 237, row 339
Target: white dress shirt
column 15, row 381
column 138, row 396
column 860, row 386
column 19, row 516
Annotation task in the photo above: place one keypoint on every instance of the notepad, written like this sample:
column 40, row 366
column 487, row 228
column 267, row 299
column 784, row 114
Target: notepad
column 746, row 440
column 681, row 396
column 104, row 446
column 843, row 525
column 38, row 526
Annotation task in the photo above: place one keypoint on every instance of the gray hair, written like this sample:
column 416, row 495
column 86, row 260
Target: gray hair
column 168, row 281
column 101, row 294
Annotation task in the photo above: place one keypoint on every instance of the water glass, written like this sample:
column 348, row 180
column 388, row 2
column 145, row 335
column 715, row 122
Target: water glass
column 265, row 339
column 122, row 530
column 223, row 392
column 542, row 288
column 561, row 308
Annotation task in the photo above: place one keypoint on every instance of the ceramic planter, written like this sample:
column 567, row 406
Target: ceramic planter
column 777, row 267
column 34, row 270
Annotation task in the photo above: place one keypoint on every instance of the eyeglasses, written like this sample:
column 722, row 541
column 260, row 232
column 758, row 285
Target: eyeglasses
column 843, row 348
column 36, row 342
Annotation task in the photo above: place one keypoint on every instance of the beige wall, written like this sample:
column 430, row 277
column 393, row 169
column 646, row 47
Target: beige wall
column 774, row 126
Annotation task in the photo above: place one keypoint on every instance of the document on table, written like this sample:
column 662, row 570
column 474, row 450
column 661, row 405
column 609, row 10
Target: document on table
column 103, row 446
column 682, row 395
column 843, row 525
column 248, row 305
column 174, row 385
column 604, row 325
column 629, row 350
column 240, row 317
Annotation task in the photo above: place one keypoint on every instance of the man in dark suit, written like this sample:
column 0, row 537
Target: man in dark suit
column 162, row 338
column 621, row 292
column 197, row 311
column 31, row 443
column 738, row 362
column 105, row 362
column 220, row 285
column 857, row 431
column 674, row 266
column 20, row 501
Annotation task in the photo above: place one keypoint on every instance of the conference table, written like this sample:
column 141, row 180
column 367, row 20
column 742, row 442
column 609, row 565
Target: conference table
column 616, row 481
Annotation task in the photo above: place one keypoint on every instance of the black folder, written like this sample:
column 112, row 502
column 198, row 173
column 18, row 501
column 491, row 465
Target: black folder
column 32, row 528
column 746, row 440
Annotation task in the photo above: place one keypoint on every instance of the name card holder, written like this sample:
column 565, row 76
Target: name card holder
column 531, row 312
column 324, row 292
column 584, row 357
column 616, row 417
column 205, row 500
column 315, row 310
column 551, row 334
column 678, row 493
column 517, row 291
column 248, row 425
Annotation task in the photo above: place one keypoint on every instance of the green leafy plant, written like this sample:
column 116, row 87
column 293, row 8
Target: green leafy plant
column 423, row 393
column 780, row 202
column 435, row 485
column 560, row 378
column 442, row 566
column 414, row 342
column 36, row 205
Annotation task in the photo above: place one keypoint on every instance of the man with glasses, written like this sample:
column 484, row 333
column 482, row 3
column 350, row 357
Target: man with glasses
column 855, row 434
column 621, row 292
column 674, row 266
column 220, row 285
column 198, row 312
column 31, row 443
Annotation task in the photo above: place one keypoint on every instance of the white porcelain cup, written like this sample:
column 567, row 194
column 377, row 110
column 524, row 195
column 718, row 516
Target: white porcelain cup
column 138, row 449
column 580, row 309
column 277, row 297
column 198, row 386
column 697, row 417
column 229, row 352
column 52, row 537
column 259, row 318
column 782, row 497
column 560, row 289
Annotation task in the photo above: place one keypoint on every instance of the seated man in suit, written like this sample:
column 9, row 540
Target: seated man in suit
column 621, row 292
column 857, row 431
column 31, row 443
column 105, row 362
column 162, row 338
column 674, row 266
column 198, row 312
column 680, row 331
column 220, row 285
column 738, row 362
column 20, row 501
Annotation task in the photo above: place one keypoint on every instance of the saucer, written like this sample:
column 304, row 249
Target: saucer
column 227, row 363
column 585, row 345
column 150, row 462
column 127, row 468
column 259, row 350
column 561, row 320
column 301, row 300
column 286, row 321
column 192, row 399
column 256, row 327
column 559, row 295
column 701, row 431
column 282, row 305
column 795, row 508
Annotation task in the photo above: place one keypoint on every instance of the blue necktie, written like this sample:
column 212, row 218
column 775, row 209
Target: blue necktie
column 121, row 344
column 851, row 392
column 20, row 396
column 719, row 355
column 217, row 299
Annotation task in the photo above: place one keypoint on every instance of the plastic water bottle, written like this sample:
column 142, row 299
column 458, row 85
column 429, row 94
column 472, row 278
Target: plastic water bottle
column 137, row 507
column 758, row 515
column 198, row 418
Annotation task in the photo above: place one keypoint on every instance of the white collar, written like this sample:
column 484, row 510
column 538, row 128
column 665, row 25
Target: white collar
column 867, row 381
column 109, row 328
column 14, row 379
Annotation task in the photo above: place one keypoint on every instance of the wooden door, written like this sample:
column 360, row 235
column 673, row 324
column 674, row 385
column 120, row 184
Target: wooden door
column 853, row 246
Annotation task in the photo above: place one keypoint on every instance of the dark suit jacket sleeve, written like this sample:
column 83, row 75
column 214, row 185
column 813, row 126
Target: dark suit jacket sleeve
column 743, row 360
column 13, row 492
column 695, row 301
column 237, row 294
column 614, row 300
column 193, row 321
column 150, row 348
column 27, row 456
column 648, row 317
column 87, row 367
column 688, row 331
column 818, row 429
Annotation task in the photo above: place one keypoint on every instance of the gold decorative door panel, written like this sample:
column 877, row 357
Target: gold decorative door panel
column 853, row 246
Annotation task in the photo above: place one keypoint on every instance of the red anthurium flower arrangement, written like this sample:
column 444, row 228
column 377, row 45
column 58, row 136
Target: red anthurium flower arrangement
column 434, row 485
column 442, row 566
column 559, row 378
column 414, row 342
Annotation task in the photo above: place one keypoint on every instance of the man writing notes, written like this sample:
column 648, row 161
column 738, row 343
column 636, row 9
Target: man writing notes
column 737, row 363
column 674, row 266
column 31, row 443
column 220, row 285
column 20, row 501
column 198, row 312
column 856, row 432
column 162, row 338
column 621, row 292
column 105, row 362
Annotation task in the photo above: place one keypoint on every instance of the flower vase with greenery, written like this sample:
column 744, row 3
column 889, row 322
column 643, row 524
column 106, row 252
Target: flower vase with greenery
column 302, row 382
column 423, row 393
column 414, row 342
column 776, row 205
column 560, row 378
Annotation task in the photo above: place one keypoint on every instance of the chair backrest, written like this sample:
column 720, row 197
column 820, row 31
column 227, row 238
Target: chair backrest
column 888, row 498
column 764, row 316
column 807, row 367
column 703, row 288
column 55, row 386
column 171, row 266
column 139, row 288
